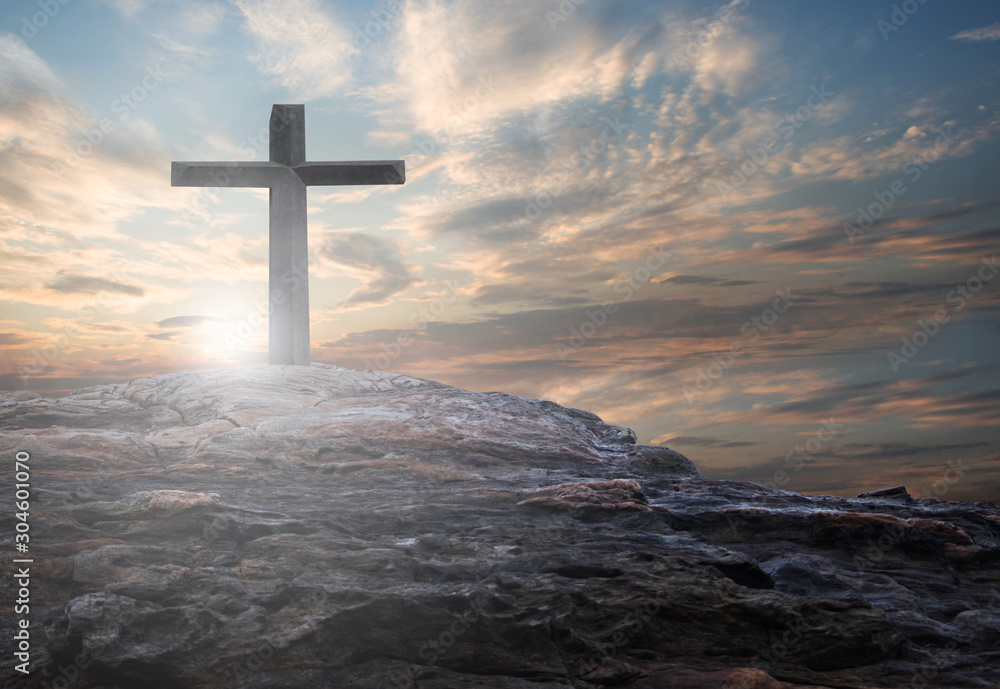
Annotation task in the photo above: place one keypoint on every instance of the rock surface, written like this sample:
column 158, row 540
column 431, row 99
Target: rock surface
column 302, row 527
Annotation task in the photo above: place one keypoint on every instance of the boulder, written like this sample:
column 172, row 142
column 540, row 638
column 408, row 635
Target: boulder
column 279, row 527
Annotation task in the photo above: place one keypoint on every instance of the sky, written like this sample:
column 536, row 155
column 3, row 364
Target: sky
column 763, row 234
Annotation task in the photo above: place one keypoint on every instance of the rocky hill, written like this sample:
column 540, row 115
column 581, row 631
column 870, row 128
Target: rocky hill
column 300, row 527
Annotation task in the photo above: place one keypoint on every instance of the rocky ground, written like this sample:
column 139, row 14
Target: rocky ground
column 319, row 527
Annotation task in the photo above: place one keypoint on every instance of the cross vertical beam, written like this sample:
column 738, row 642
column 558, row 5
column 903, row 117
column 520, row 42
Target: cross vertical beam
column 288, row 134
column 288, row 274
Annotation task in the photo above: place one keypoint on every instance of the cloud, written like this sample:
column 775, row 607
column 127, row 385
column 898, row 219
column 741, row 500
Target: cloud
column 942, row 470
column 465, row 64
column 120, row 362
column 654, row 323
column 378, row 260
column 892, row 451
column 61, row 170
column 301, row 46
column 195, row 17
column 11, row 381
column 930, row 400
column 703, row 280
column 186, row 321
column 916, row 238
column 512, row 173
column 488, row 295
column 935, row 138
column 685, row 440
column 105, row 327
column 129, row 8
column 7, row 339
column 731, row 60
column 92, row 285
column 986, row 33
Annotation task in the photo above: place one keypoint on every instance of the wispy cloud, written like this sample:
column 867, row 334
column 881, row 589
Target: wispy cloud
column 300, row 45
column 92, row 285
column 185, row 321
column 56, row 175
column 703, row 280
column 129, row 8
column 377, row 260
column 986, row 33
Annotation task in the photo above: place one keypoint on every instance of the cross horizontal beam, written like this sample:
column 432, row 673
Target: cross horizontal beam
column 338, row 173
column 267, row 174
column 251, row 174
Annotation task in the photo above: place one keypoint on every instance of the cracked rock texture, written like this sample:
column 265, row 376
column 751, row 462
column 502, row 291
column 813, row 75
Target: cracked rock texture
column 301, row 527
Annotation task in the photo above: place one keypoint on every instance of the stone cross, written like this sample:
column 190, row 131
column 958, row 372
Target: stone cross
column 287, row 175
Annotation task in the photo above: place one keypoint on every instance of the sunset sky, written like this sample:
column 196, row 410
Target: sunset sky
column 761, row 233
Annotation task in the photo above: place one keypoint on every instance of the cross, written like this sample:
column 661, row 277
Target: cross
column 287, row 175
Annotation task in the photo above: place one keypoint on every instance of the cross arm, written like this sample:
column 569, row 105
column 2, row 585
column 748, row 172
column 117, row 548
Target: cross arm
column 249, row 174
column 352, row 172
